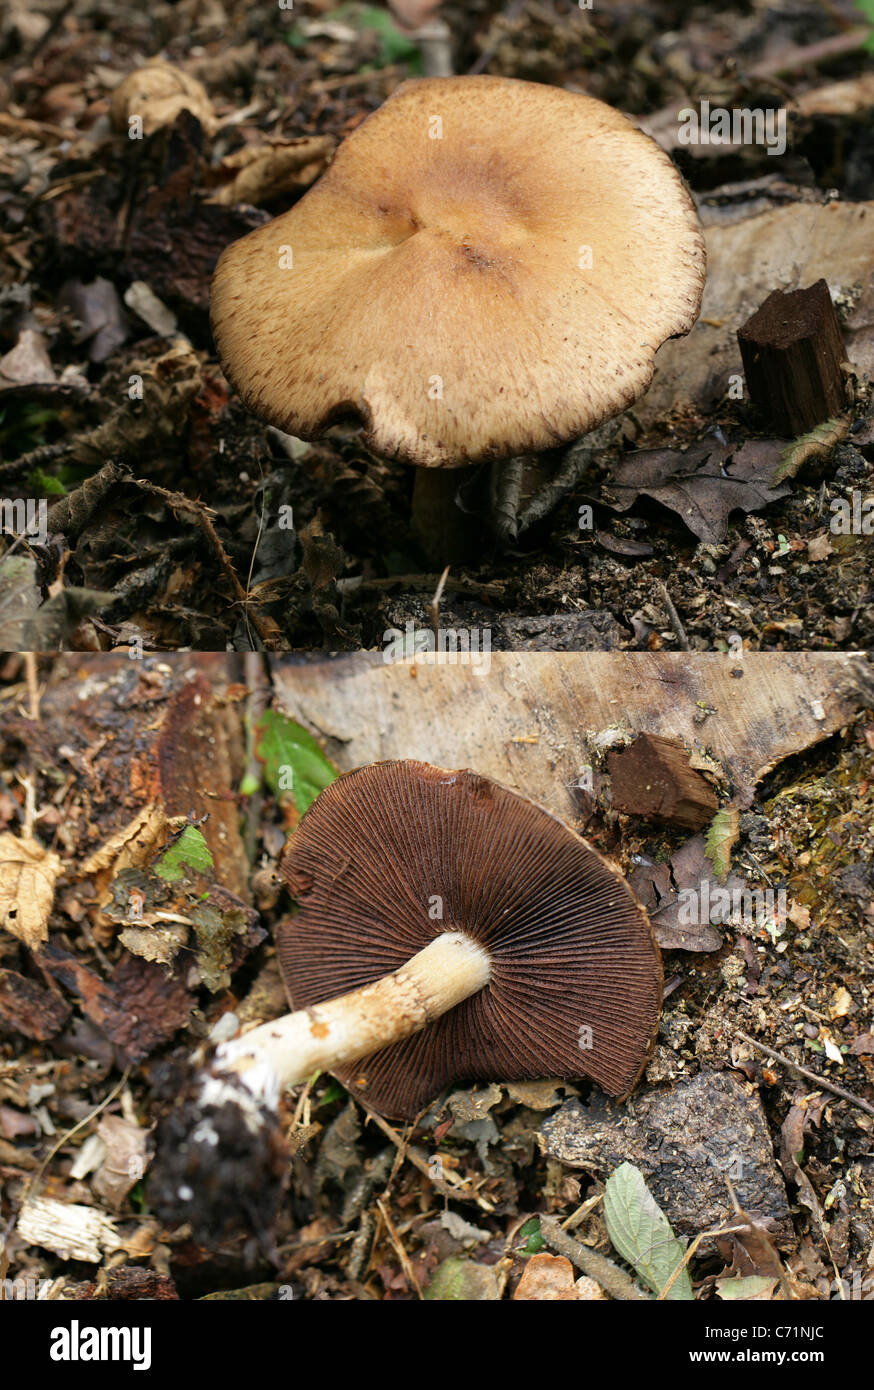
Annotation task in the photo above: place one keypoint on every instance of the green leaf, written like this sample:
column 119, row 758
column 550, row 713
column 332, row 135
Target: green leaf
column 394, row 47
column 639, row 1230
column 295, row 766
column 463, row 1281
column 721, row 838
column 818, row 443
column 334, row 1092
column 750, row 1286
column 189, row 852
column 534, row 1242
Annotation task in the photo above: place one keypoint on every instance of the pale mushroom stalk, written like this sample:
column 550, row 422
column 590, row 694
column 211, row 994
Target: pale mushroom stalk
column 291, row 1049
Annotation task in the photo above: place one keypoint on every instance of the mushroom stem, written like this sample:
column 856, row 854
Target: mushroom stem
column 447, row 535
column 288, row 1050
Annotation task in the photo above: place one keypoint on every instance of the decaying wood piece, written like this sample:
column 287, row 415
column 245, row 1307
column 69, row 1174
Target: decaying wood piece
column 529, row 719
column 142, row 741
column 789, row 246
column 792, row 352
column 652, row 778
column 28, row 1008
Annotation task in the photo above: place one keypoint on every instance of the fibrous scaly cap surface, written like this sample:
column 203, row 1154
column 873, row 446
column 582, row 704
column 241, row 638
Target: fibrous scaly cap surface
column 391, row 856
column 487, row 268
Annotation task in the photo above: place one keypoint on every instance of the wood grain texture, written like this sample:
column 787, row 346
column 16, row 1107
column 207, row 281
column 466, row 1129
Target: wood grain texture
column 525, row 721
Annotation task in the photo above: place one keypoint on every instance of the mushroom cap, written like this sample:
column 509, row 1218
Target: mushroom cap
column 571, row 947
column 436, row 288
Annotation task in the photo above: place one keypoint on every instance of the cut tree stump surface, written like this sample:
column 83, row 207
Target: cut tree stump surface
column 526, row 721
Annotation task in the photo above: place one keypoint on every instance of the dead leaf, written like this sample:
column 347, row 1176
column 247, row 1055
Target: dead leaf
column 258, row 173
column 817, row 443
column 667, row 894
column 134, row 845
column 750, row 1288
column 28, row 873
column 841, row 1003
column 550, row 1278
column 322, row 557
column 157, row 92
column 28, row 362
column 819, row 547
column 124, row 1161
column 863, row 1045
column 704, row 485
column 538, row 1095
column 792, row 1133
column 100, row 319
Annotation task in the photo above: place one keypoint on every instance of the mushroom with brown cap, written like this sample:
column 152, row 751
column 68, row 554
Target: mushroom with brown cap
column 448, row 929
column 486, row 269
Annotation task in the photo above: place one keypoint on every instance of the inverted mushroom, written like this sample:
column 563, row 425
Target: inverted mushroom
column 449, row 929
column 487, row 268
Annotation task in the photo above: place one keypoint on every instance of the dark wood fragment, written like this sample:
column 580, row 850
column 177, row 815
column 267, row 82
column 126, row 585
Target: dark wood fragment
column 792, row 350
column 27, row 1007
column 652, row 778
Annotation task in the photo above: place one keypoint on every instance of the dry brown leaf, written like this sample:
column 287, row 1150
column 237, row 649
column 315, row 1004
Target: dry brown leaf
column 28, row 873
column 132, row 847
column 124, row 1162
column 258, row 173
column 841, row 1003
column 550, row 1278
column 819, row 547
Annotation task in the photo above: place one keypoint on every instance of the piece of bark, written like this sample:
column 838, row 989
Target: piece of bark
column 685, row 1139
column 792, row 350
column 29, row 1008
column 138, row 1009
column 143, row 741
column 652, row 778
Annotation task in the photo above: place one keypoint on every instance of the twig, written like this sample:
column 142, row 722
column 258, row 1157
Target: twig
column 433, row 608
column 257, row 700
column 457, row 1189
column 794, row 58
column 398, row 1247
column 674, row 618
column 358, row 584
column 813, row 1076
column 178, row 502
column 611, row 1278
